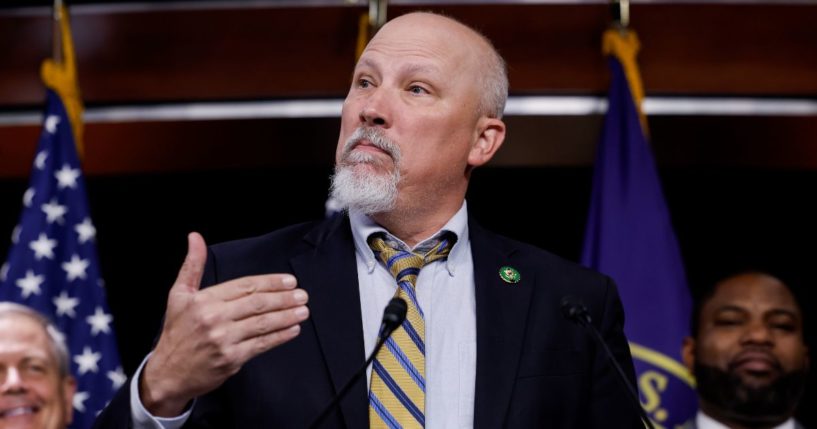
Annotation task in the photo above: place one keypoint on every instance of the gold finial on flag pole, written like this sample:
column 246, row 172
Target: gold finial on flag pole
column 622, row 43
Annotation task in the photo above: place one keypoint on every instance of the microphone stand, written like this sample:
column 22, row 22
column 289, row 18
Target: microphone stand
column 578, row 313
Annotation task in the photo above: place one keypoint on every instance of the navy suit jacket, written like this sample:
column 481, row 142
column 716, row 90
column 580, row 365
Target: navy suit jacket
column 534, row 368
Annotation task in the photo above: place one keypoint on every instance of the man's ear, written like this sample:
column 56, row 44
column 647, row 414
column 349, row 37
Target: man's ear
column 688, row 353
column 490, row 135
column 68, row 387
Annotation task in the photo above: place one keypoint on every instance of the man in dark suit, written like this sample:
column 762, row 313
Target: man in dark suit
column 484, row 344
column 748, row 354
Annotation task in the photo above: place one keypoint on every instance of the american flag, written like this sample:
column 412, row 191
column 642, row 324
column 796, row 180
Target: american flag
column 52, row 265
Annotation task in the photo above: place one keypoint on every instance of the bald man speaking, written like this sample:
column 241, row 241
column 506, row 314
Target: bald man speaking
column 264, row 332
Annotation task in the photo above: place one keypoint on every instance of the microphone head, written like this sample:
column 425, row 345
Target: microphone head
column 395, row 313
column 573, row 309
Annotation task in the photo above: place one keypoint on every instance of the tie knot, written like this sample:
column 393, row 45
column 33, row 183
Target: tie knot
column 405, row 265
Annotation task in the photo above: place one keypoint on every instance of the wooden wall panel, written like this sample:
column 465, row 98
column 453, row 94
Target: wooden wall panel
column 149, row 147
column 252, row 53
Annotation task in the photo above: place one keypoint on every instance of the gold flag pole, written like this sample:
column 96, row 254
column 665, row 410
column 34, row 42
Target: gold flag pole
column 60, row 72
column 623, row 43
column 56, row 46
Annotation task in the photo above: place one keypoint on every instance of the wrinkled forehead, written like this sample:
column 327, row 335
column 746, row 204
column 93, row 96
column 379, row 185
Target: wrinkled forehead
column 20, row 333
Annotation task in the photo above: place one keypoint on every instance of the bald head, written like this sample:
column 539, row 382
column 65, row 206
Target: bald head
column 421, row 113
column 482, row 64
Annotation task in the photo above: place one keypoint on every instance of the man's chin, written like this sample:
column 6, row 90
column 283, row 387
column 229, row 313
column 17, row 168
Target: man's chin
column 751, row 398
column 368, row 207
column 363, row 191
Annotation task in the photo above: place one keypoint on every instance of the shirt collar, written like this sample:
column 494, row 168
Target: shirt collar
column 703, row 421
column 363, row 226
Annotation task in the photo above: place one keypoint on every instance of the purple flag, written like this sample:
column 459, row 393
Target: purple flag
column 629, row 237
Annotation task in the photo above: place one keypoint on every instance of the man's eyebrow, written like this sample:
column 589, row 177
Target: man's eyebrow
column 730, row 307
column 365, row 62
column 36, row 355
column 770, row 313
column 409, row 69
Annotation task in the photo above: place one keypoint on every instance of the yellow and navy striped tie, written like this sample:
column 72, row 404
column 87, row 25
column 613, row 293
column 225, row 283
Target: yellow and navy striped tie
column 397, row 394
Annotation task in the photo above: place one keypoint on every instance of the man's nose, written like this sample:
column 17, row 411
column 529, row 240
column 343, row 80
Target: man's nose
column 376, row 111
column 12, row 381
column 757, row 333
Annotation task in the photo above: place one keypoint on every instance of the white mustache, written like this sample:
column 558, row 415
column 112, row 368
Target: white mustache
column 374, row 136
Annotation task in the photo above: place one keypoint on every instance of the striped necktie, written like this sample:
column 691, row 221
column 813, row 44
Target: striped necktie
column 397, row 394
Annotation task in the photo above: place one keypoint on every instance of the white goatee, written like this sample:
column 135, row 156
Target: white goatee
column 359, row 187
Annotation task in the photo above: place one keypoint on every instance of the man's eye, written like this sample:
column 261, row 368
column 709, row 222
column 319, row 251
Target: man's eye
column 35, row 368
column 417, row 89
column 787, row 327
column 363, row 83
column 727, row 322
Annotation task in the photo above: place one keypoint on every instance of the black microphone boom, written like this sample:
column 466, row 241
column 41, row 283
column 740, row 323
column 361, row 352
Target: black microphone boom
column 393, row 316
column 573, row 309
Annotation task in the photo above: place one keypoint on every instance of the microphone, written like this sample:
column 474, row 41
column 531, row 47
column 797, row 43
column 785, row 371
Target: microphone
column 573, row 309
column 393, row 315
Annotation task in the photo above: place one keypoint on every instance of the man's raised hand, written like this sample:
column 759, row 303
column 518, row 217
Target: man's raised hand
column 209, row 334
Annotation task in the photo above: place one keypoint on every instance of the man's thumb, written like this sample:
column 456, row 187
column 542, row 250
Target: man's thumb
column 189, row 278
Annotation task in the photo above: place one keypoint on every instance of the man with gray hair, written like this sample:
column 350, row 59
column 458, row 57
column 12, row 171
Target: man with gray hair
column 484, row 343
column 36, row 388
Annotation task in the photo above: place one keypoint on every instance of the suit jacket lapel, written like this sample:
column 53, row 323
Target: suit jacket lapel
column 502, row 309
column 328, row 273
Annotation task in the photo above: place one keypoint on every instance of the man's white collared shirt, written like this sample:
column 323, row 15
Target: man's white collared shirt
column 445, row 291
column 705, row 422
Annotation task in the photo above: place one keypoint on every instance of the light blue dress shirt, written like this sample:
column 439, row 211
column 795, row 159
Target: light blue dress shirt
column 445, row 291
